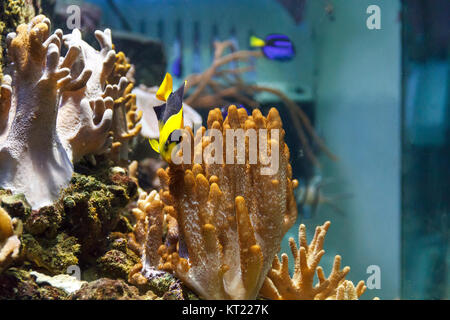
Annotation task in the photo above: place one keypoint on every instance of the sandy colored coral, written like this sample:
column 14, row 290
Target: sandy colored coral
column 9, row 240
column 348, row 291
column 279, row 285
column 225, row 236
column 12, row 14
column 125, row 124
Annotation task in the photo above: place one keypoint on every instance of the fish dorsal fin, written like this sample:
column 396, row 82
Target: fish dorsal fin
column 159, row 110
column 174, row 104
column 165, row 89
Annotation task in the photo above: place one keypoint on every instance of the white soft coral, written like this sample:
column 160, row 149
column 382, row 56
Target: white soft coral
column 85, row 113
column 32, row 158
column 53, row 109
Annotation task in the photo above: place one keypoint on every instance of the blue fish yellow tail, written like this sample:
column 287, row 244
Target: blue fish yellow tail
column 257, row 42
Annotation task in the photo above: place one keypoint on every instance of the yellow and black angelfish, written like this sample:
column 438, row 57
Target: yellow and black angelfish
column 170, row 117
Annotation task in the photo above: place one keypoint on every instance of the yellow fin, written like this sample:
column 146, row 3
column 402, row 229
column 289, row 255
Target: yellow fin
column 167, row 154
column 165, row 89
column 256, row 42
column 173, row 123
column 155, row 144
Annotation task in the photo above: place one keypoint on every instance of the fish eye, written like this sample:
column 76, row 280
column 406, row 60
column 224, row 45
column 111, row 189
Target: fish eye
column 166, row 145
column 171, row 137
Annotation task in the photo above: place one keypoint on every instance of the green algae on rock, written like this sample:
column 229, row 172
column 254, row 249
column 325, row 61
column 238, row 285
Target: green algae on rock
column 93, row 207
column 109, row 289
column 116, row 264
column 16, row 204
column 163, row 284
column 46, row 220
column 18, row 284
column 54, row 255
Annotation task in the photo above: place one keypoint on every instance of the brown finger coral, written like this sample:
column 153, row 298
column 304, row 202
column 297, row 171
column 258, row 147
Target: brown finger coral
column 348, row 291
column 230, row 216
column 125, row 124
column 9, row 241
column 279, row 285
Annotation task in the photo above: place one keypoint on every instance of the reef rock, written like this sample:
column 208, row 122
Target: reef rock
column 61, row 281
column 17, row 284
column 108, row 289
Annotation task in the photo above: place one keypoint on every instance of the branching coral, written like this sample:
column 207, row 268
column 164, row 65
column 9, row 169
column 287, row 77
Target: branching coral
column 348, row 291
column 9, row 240
column 125, row 124
column 224, row 235
column 5, row 106
column 12, row 14
column 280, row 286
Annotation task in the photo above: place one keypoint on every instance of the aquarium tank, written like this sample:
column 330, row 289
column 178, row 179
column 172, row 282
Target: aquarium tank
column 217, row 150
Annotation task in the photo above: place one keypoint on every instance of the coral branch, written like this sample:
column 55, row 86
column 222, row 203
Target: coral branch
column 347, row 290
column 9, row 239
column 279, row 285
column 125, row 124
column 5, row 105
column 85, row 114
column 60, row 108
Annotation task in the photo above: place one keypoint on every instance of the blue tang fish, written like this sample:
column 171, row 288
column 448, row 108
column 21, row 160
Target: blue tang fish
column 275, row 47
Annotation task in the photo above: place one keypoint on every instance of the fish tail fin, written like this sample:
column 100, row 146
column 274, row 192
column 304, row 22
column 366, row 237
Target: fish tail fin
column 256, row 42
